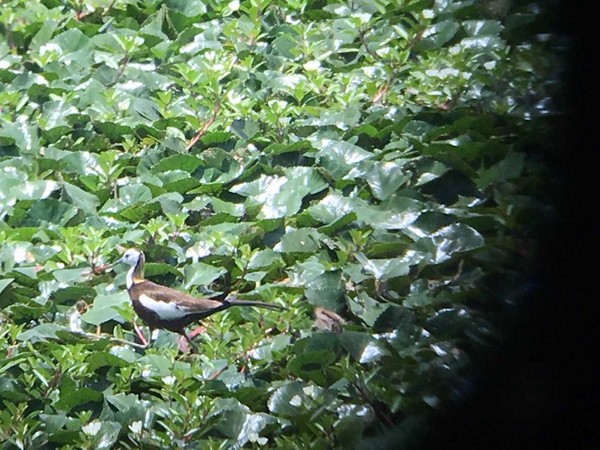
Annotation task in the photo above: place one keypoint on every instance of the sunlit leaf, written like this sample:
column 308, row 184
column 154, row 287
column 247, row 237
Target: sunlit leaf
column 104, row 359
column 186, row 163
column 281, row 195
column 105, row 308
column 48, row 211
column 83, row 200
column 36, row 190
column 301, row 240
column 362, row 347
column 451, row 239
column 201, row 274
column 383, row 178
column 375, row 167
column 287, row 400
column 437, row 35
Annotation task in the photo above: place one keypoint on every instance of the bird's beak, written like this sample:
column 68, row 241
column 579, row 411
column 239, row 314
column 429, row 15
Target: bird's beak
column 121, row 250
column 115, row 263
column 104, row 268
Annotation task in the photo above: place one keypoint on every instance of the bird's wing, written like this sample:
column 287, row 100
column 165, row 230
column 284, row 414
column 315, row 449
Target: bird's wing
column 185, row 302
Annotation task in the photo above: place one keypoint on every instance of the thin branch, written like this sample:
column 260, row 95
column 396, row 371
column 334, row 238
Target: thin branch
column 113, row 339
column 207, row 124
column 361, row 36
column 382, row 92
column 108, row 8
column 122, row 66
column 365, row 398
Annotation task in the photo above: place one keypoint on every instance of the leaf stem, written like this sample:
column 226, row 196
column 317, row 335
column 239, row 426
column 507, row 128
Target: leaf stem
column 206, row 125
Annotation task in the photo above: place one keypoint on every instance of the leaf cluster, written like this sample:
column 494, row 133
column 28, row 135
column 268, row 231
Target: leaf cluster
column 363, row 163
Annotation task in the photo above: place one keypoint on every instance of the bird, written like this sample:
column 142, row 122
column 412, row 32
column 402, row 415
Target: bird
column 162, row 307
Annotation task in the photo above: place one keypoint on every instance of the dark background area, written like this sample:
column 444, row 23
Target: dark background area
column 540, row 389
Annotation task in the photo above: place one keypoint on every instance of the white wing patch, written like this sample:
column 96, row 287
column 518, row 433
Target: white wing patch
column 165, row 310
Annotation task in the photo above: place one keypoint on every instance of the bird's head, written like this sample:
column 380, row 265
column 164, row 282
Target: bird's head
column 132, row 257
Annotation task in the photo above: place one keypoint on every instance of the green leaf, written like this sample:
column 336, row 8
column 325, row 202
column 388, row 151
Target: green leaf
column 43, row 35
column 71, row 275
column 419, row 296
column 246, row 129
column 201, row 274
column 48, row 211
column 332, row 207
column 281, row 196
column 384, row 269
column 233, row 209
column 104, row 359
column 4, row 283
column 508, row 168
column 287, row 400
column 11, row 391
column 362, row 347
column 238, row 423
column 451, row 239
column 105, row 436
column 397, row 214
column 70, row 294
column 36, row 190
column 416, row 128
column 311, row 364
column 135, row 193
column 153, row 26
column 72, row 41
column 155, row 365
column 482, row 27
column 144, row 108
column 339, row 156
column 344, row 119
column 384, row 178
column 106, row 308
column 367, row 308
column 154, row 269
column 437, row 35
column 326, row 290
column 42, row 332
column 263, row 258
column 429, row 171
column 265, row 352
column 303, row 240
column 177, row 181
column 85, row 201
column 55, row 116
column 187, row 163
column 190, row 8
column 123, row 402
column 140, row 212
column 322, row 287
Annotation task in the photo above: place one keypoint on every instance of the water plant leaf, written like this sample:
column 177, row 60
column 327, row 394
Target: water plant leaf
column 376, row 167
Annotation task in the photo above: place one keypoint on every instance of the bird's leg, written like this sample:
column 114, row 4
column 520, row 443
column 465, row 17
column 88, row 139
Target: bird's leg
column 140, row 334
column 196, row 331
column 183, row 346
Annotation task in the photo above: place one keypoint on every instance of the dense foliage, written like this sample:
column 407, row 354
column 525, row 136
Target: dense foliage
column 363, row 163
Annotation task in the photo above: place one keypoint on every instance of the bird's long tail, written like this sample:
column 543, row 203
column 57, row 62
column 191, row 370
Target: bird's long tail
column 237, row 302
